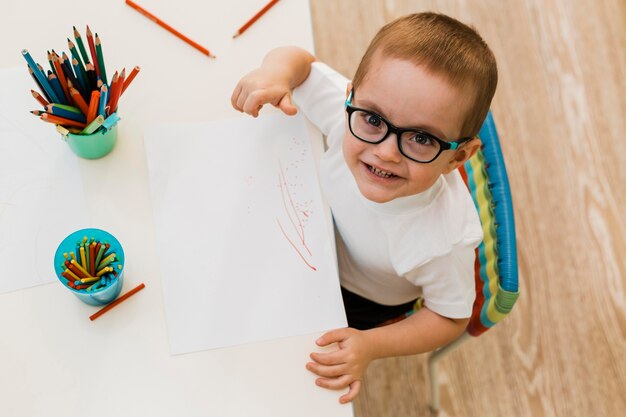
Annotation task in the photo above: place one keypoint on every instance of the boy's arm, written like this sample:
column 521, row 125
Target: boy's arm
column 422, row 332
column 282, row 70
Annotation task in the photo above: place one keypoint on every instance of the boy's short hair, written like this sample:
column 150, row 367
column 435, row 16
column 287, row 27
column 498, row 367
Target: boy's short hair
column 445, row 47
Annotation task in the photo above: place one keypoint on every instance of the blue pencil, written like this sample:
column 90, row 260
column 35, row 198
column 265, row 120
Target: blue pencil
column 58, row 111
column 56, row 86
column 104, row 92
column 43, row 80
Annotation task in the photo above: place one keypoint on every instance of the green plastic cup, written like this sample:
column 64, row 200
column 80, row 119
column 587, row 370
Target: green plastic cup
column 95, row 145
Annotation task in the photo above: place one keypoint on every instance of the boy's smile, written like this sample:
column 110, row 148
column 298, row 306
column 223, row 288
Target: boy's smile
column 408, row 96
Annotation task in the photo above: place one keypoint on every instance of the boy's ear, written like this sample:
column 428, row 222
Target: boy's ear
column 462, row 154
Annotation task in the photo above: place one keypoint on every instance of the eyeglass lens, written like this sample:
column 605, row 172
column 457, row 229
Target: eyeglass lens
column 372, row 128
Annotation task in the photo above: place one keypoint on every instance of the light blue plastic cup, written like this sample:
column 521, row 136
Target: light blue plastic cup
column 103, row 295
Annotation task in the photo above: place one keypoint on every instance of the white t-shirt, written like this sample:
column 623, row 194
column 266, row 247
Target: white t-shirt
column 391, row 253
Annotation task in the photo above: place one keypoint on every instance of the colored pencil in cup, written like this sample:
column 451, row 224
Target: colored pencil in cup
column 255, row 18
column 170, row 29
column 92, row 50
column 81, row 45
column 130, row 78
column 103, row 73
column 39, row 98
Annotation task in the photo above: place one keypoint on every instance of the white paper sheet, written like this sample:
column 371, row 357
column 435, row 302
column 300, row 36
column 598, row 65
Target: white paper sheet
column 41, row 192
column 243, row 240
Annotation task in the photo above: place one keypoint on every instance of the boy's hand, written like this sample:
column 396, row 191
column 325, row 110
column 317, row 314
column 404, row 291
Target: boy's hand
column 260, row 87
column 344, row 367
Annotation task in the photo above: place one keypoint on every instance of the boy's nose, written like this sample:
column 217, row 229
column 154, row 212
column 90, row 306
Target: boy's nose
column 388, row 149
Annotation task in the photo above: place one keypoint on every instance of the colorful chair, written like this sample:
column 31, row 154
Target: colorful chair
column 496, row 257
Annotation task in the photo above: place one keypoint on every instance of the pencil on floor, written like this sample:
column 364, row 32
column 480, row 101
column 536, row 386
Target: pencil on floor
column 116, row 302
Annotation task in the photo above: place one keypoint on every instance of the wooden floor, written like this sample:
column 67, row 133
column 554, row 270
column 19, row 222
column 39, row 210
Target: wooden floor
column 560, row 109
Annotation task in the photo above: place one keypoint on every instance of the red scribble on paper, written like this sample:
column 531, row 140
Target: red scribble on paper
column 297, row 222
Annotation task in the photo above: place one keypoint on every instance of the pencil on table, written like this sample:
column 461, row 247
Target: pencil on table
column 130, row 78
column 255, row 18
column 103, row 74
column 116, row 302
column 170, row 29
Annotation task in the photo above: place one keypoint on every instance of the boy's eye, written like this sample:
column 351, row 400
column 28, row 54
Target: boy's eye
column 373, row 120
column 421, row 138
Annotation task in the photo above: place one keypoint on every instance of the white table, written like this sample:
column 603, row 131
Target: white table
column 53, row 360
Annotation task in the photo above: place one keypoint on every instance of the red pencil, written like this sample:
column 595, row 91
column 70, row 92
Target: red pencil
column 92, row 50
column 39, row 98
column 78, row 100
column 169, row 28
column 255, row 18
column 116, row 302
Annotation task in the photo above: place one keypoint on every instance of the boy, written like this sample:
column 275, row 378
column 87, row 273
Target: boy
column 406, row 225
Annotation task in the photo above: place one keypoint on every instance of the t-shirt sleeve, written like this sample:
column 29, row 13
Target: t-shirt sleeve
column 447, row 282
column 321, row 97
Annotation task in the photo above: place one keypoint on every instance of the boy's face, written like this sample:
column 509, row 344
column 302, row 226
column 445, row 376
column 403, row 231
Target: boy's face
column 408, row 97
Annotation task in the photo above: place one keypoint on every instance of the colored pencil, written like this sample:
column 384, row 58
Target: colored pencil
column 89, row 129
column 41, row 77
column 92, row 49
column 67, row 114
column 51, row 62
column 255, row 18
column 114, row 94
column 104, row 96
column 39, row 98
column 81, row 46
column 115, row 97
column 43, row 90
column 50, row 118
column 170, row 29
column 76, row 56
column 92, row 77
column 116, row 302
column 56, row 86
column 130, row 78
column 94, row 102
column 56, row 61
column 79, row 101
column 103, row 73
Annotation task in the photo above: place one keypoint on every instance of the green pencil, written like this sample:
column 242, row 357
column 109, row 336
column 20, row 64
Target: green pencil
column 81, row 46
column 103, row 73
column 93, row 126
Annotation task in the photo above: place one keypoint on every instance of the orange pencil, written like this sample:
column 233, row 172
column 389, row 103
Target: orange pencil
column 94, row 101
column 255, row 18
column 78, row 100
column 115, row 96
column 169, row 28
column 130, row 78
column 39, row 98
column 116, row 302
column 50, row 118
column 114, row 93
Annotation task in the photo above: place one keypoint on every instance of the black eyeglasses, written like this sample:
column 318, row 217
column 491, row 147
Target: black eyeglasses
column 417, row 145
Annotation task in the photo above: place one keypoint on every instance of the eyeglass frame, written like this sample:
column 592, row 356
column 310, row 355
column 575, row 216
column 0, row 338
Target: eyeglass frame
column 398, row 131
